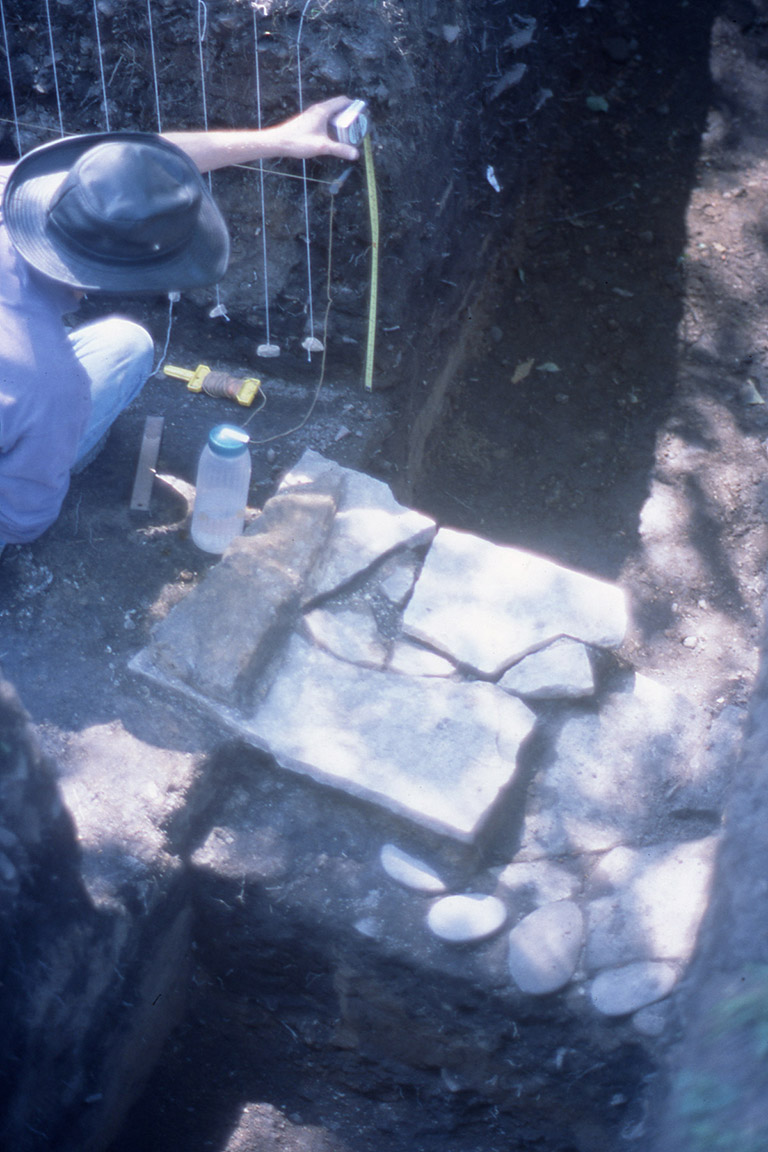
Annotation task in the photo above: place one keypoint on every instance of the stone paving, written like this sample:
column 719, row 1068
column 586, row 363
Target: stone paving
column 464, row 686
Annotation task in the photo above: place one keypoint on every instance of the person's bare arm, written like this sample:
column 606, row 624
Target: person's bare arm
column 300, row 137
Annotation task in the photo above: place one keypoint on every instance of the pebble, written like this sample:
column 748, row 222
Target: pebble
column 409, row 871
column 690, row 641
column 544, row 948
column 652, row 1021
column 461, row 919
column 620, row 991
column 368, row 926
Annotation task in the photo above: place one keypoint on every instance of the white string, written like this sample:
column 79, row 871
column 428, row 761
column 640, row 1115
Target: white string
column 306, row 186
column 173, row 297
column 10, row 78
column 261, row 177
column 154, row 66
column 53, row 62
column 202, row 27
column 101, row 65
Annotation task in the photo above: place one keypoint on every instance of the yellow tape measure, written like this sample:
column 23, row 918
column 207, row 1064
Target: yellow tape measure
column 373, row 211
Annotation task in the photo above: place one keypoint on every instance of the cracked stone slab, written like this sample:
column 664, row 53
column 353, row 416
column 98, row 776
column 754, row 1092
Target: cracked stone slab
column 562, row 670
column 208, row 640
column 412, row 660
column 612, row 772
column 369, row 522
column 349, row 633
column 653, row 905
column 435, row 751
column 486, row 605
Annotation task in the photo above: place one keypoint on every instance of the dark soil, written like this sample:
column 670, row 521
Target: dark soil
column 550, row 356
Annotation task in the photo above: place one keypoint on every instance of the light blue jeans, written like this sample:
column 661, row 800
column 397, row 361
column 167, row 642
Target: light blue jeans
column 117, row 355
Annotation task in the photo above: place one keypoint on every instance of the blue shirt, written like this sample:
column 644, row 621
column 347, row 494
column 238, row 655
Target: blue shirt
column 45, row 395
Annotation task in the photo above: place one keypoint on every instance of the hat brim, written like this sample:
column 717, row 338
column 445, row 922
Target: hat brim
column 33, row 183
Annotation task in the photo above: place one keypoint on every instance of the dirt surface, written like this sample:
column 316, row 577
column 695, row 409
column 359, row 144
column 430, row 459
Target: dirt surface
column 598, row 331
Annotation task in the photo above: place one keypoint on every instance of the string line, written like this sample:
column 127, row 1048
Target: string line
column 53, row 62
column 321, row 377
column 202, row 28
column 261, row 175
column 153, row 56
column 101, row 65
column 10, row 78
column 304, row 178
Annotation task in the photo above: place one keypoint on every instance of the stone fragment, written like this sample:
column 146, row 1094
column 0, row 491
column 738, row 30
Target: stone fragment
column 612, row 772
column 220, row 637
column 544, row 948
column 369, row 521
column 485, row 605
column 433, row 750
column 409, row 871
column 548, row 881
column 397, row 578
column 368, row 926
column 656, row 898
column 620, row 991
column 653, row 1019
column 412, row 660
column 462, row 919
column 349, row 633
column 561, row 670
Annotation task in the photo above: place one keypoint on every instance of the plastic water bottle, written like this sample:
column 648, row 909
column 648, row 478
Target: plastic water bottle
column 223, row 478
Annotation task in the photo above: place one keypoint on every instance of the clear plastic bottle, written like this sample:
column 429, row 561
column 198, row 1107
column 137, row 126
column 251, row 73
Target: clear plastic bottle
column 223, row 479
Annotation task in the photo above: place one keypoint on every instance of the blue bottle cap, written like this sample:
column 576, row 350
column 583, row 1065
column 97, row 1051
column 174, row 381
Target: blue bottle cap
column 228, row 440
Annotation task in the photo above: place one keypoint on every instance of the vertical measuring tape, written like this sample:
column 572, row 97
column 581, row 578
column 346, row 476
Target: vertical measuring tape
column 373, row 211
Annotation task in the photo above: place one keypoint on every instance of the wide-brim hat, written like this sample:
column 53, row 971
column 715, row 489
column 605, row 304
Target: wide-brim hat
column 116, row 212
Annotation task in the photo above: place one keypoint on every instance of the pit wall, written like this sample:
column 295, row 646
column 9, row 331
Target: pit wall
column 91, row 978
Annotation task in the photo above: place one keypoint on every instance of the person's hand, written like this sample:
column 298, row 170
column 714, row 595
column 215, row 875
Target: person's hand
column 308, row 133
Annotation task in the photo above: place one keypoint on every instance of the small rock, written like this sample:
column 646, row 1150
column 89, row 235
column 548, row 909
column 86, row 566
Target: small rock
column 690, row 641
column 368, row 926
column 620, row 991
column 544, row 947
column 451, row 33
column 409, row 871
column 461, row 919
column 652, row 1021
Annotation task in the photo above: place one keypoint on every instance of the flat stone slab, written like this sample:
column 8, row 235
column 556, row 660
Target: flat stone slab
column 613, row 771
column 653, row 902
column 486, row 605
column 561, row 671
column 433, row 750
column 349, row 633
column 369, row 522
column 219, row 638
